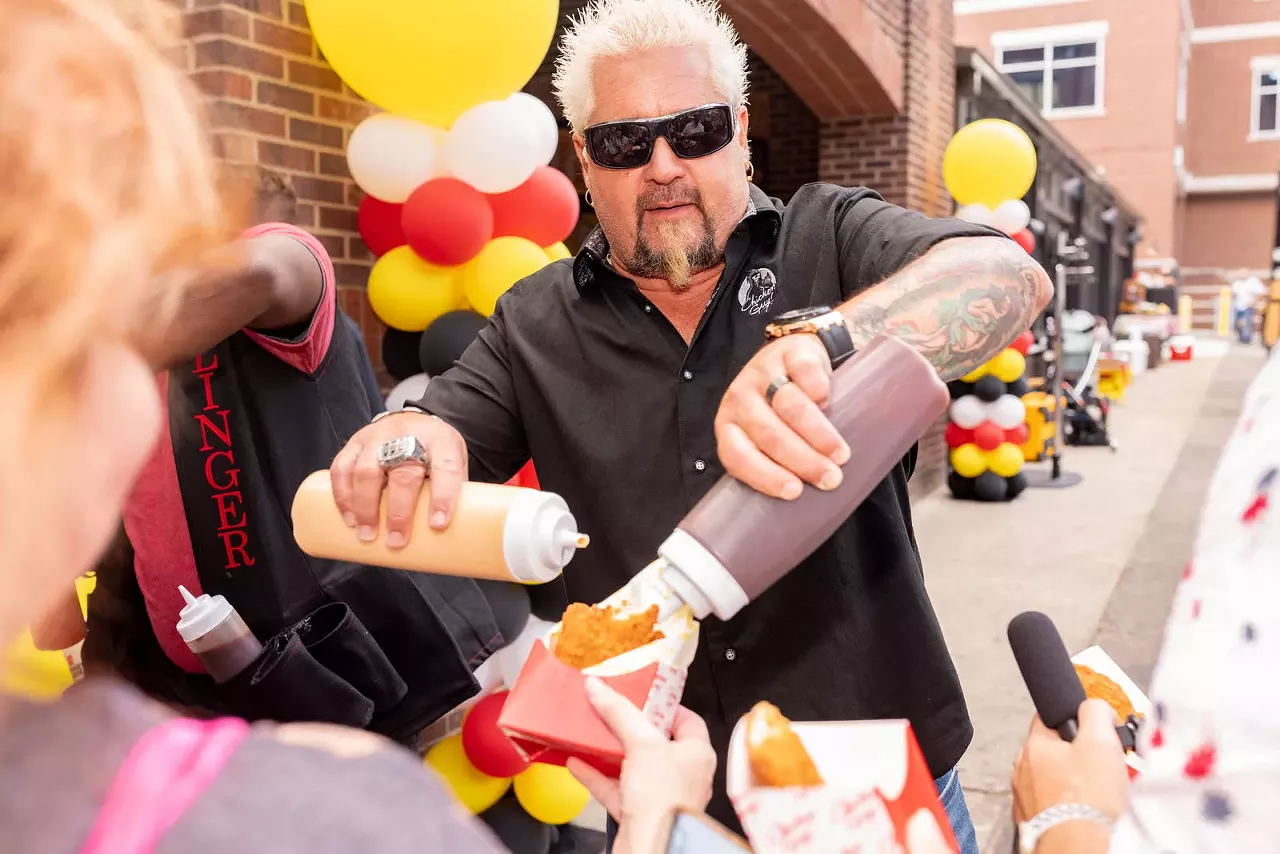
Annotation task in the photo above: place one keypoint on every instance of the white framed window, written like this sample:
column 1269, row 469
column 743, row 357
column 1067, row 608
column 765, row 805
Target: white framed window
column 1264, row 114
column 1060, row 68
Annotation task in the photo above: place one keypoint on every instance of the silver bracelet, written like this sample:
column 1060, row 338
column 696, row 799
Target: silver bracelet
column 1030, row 831
column 408, row 407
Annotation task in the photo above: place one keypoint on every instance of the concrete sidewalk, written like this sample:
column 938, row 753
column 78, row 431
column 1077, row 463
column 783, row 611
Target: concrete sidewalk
column 1101, row 558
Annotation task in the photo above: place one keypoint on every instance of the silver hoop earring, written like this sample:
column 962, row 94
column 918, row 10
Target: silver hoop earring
column 587, row 198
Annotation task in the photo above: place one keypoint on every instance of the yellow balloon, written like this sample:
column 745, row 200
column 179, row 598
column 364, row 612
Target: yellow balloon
column 1008, row 365
column 968, row 460
column 550, row 793
column 975, row 375
column 476, row 790
column 407, row 293
column 557, row 251
column 432, row 60
column 501, row 263
column 988, row 162
column 31, row 673
column 1005, row 460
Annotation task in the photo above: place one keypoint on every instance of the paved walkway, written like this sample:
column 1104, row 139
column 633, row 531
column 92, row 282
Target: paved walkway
column 1101, row 558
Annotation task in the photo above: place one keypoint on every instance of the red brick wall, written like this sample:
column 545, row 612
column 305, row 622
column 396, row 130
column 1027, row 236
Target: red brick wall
column 900, row 156
column 274, row 102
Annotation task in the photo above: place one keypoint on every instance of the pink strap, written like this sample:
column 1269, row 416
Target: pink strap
column 169, row 767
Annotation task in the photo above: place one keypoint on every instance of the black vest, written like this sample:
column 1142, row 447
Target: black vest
column 247, row 429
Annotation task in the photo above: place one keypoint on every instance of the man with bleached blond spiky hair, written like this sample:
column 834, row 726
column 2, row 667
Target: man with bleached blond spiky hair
column 636, row 373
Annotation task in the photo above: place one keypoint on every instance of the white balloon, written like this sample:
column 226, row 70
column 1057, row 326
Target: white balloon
column 1008, row 412
column 977, row 214
column 511, row 658
column 1011, row 216
column 412, row 388
column 968, row 412
column 539, row 115
column 390, row 156
column 494, row 147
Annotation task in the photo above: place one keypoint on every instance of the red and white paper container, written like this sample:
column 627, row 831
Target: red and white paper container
column 1097, row 660
column 879, row 797
column 547, row 714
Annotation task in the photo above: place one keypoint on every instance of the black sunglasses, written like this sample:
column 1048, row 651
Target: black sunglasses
column 628, row 144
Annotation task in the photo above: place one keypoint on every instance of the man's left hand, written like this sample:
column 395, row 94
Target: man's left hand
column 777, row 446
column 1090, row 770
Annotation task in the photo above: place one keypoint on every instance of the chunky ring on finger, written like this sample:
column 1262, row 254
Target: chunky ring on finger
column 401, row 451
column 778, row 382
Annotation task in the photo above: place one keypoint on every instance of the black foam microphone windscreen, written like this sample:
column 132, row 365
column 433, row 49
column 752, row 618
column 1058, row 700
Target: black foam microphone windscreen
column 1047, row 670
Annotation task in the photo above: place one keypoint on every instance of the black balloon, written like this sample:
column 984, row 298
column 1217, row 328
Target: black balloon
column 445, row 340
column 1019, row 387
column 961, row 487
column 989, row 389
column 959, row 388
column 990, row 486
column 400, row 353
column 520, row 832
column 1017, row 485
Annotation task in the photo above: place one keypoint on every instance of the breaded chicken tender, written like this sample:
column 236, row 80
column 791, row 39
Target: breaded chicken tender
column 774, row 751
column 589, row 635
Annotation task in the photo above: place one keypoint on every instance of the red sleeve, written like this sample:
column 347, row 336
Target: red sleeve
column 307, row 353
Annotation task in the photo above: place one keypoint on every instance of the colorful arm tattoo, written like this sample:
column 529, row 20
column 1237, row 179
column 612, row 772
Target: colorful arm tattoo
column 959, row 304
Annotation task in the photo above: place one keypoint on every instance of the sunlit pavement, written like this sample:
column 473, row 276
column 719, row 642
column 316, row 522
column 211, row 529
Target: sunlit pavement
column 1101, row 558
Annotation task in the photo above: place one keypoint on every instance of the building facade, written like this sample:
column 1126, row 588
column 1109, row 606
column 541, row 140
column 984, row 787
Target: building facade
column 1175, row 99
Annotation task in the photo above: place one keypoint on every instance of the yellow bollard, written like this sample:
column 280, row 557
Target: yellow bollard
column 1186, row 306
column 1224, row 313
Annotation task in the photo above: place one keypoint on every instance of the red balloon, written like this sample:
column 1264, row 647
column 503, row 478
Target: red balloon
column 447, row 222
column 487, row 746
column 543, row 209
column 1025, row 239
column 1017, row 436
column 1023, row 342
column 379, row 225
column 988, row 436
column 957, row 435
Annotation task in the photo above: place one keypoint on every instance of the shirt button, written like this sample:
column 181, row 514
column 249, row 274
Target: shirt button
column 688, row 375
column 648, row 309
column 700, row 465
column 730, row 655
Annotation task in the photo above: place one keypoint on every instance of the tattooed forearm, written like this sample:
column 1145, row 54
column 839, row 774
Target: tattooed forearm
column 958, row 305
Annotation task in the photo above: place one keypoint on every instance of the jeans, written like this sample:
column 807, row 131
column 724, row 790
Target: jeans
column 949, row 792
column 1244, row 325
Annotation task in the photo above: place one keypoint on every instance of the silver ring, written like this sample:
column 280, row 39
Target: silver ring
column 402, row 451
column 777, row 383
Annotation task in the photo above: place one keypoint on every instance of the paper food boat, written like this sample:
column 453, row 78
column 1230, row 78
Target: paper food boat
column 879, row 797
column 547, row 714
column 1095, row 659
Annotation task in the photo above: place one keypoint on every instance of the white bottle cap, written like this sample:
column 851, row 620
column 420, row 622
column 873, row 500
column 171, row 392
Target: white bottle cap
column 201, row 615
column 540, row 537
column 699, row 577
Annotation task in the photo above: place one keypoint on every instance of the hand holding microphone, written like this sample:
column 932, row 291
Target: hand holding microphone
column 1071, row 771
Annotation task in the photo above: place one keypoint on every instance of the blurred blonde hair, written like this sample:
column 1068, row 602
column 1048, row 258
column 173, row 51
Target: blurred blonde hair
column 106, row 180
column 106, row 183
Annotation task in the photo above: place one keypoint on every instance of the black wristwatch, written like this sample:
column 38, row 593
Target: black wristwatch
column 829, row 325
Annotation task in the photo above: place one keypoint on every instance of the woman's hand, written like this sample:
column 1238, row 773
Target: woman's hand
column 659, row 775
column 1089, row 770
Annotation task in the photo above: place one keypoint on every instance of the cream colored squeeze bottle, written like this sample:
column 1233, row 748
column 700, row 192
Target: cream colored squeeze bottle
column 506, row 533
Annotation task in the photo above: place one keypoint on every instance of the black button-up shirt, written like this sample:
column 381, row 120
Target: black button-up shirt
column 579, row 371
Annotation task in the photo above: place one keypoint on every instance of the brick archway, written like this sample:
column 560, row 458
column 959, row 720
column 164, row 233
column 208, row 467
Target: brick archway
column 842, row 57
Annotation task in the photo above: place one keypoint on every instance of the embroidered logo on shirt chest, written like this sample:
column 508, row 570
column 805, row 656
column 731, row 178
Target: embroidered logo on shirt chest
column 755, row 295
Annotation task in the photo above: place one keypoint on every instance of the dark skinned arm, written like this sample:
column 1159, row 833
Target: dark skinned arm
column 263, row 283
